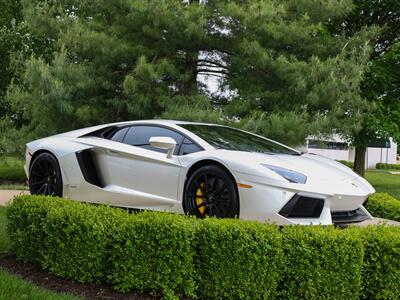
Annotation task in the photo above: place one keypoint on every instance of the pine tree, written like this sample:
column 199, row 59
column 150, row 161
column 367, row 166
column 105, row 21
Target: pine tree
column 284, row 74
column 292, row 77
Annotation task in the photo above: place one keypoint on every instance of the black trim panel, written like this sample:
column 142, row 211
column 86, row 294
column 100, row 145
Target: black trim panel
column 88, row 167
column 350, row 216
column 302, row 207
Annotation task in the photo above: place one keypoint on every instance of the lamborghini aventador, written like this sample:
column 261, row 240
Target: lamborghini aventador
column 199, row 169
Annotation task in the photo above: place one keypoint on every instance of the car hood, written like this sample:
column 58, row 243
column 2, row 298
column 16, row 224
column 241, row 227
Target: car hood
column 316, row 168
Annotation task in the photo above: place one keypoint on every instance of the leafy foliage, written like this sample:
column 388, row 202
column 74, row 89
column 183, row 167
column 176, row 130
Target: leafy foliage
column 79, row 250
column 224, row 259
column 380, row 85
column 347, row 163
column 277, row 67
column 12, row 168
column 381, row 268
column 314, row 258
column 237, row 259
column 382, row 166
column 384, row 206
column 153, row 252
column 4, row 238
column 25, row 227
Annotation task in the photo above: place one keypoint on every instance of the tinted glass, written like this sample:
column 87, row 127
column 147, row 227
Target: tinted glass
column 222, row 137
column 119, row 135
column 139, row 136
column 188, row 147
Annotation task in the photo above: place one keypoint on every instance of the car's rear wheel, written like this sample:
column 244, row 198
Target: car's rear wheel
column 211, row 192
column 45, row 176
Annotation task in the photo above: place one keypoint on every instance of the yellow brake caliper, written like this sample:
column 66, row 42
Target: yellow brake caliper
column 200, row 198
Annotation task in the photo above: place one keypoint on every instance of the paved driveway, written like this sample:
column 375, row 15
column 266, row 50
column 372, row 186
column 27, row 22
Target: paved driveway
column 7, row 195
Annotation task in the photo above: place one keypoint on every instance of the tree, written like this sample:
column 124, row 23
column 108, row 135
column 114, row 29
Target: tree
column 380, row 85
column 112, row 61
column 285, row 75
column 10, row 17
column 291, row 76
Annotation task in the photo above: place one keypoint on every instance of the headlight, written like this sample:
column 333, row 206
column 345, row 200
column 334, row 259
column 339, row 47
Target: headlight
column 289, row 175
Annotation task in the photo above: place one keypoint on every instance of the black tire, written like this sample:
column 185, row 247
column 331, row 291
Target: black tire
column 211, row 192
column 45, row 176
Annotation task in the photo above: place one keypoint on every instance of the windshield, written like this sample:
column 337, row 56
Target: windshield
column 227, row 138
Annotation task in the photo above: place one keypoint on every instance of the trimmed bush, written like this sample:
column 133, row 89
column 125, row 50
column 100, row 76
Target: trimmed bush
column 238, row 259
column 388, row 166
column 175, row 255
column 78, row 240
column 347, row 163
column 381, row 267
column 383, row 205
column 27, row 216
column 67, row 237
column 148, row 251
column 12, row 169
column 153, row 252
column 321, row 263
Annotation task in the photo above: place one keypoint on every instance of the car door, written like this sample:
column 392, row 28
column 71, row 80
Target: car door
column 139, row 170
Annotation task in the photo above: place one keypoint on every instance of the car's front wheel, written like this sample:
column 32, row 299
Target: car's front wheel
column 211, row 192
column 45, row 176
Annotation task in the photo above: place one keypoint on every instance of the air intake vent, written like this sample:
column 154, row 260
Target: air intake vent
column 302, row 207
column 88, row 168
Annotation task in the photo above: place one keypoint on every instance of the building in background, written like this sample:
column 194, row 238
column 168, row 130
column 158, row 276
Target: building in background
column 382, row 151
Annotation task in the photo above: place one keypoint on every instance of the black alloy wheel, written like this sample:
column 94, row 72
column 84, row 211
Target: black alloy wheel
column 211, row 192
column 45, row 176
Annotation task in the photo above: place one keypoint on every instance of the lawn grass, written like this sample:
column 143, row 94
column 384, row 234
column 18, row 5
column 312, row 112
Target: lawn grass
column 12, row 169
column 4, row 239
column 384, row 182
column 14, row 186
column 13, row 287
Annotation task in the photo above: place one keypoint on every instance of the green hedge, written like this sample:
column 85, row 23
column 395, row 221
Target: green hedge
column 67, row 237
column 321, row 263
column 347, row 163
column 27, row 217
column 383, row 205
column 388, row 166
column 381, row 264
column 12, row 169
column 178, row 256
column 238, row 259
column 153, row 252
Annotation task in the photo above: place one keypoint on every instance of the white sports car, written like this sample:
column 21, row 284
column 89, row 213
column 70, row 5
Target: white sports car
column 195, row 168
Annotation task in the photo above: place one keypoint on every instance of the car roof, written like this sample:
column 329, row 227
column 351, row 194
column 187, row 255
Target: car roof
column 162, row 121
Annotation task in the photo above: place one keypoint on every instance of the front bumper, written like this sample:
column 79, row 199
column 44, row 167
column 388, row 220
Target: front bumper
column 267, row 198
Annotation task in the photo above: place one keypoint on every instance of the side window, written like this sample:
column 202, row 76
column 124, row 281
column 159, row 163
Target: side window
column 140, row 135
column 189, row 147
column 118, row 136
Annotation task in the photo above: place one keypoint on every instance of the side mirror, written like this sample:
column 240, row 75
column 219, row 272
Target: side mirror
column 163, row 142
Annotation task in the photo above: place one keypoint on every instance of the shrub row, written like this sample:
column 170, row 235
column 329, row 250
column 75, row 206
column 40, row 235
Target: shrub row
column 388, row 166
column 210, row 259
column 383, row 205
column 12, row 169
column 347, row 163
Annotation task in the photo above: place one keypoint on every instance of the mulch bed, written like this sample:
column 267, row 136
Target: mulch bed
column 43, row 279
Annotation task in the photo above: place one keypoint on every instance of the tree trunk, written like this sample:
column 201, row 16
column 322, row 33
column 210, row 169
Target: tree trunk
column 189, row 86
column 359, row 160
